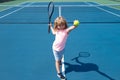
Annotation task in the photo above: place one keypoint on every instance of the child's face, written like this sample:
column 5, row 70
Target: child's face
column 61, row 27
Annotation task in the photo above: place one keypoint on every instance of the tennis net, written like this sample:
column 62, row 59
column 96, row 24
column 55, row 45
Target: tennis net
column 37, row 14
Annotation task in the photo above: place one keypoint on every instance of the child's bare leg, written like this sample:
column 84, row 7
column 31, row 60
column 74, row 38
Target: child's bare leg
column 57, row 64
column 59, row 74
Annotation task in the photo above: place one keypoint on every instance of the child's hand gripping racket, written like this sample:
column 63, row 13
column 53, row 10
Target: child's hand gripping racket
column 50, row 13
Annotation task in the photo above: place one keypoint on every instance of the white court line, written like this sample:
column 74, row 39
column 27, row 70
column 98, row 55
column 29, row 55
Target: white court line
column 105, row 10
column 107, row 5
column 14, row 11
column 10, row 6
column 109, row 12
column 11, row 12
column 60, row 13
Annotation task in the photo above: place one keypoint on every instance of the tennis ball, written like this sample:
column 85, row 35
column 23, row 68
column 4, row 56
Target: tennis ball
column 76, row 23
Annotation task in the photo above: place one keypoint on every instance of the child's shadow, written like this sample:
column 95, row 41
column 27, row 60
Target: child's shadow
column 84, row 67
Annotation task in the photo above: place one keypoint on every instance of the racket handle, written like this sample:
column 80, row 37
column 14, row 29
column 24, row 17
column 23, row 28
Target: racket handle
column 49, row 29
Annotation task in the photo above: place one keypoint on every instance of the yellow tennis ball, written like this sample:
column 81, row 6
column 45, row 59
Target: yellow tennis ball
column 76, row 23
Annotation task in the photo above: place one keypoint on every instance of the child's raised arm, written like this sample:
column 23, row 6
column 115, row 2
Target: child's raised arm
column 70, row 28
column 53, row 31
column 75, row 24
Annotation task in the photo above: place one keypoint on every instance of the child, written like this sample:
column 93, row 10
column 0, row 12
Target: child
column 61, row 31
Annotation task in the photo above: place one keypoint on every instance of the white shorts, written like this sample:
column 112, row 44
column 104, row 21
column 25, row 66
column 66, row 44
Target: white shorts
column 58, row 54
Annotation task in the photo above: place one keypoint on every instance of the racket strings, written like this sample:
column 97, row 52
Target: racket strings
column 50, row 9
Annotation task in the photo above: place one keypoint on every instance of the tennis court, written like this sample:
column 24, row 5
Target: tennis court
column 25, row 45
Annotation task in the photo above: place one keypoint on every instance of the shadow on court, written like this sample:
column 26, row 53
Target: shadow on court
column 84, row 67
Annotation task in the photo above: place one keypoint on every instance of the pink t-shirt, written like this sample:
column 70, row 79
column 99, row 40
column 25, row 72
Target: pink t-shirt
column 60, row 40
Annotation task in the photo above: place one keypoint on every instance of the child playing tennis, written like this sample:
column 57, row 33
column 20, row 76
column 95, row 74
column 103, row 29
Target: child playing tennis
column 61, row 31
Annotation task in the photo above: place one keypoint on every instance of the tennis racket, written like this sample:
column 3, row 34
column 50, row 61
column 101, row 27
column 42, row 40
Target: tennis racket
column 50, row 13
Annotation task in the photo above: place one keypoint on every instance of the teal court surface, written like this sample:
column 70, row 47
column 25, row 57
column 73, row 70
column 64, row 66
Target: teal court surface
column 26, row 46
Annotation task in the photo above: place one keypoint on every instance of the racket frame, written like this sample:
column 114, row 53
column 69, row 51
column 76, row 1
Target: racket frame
column 50, row 13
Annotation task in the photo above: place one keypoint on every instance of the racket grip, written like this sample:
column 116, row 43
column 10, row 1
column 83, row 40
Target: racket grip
column 49, row 29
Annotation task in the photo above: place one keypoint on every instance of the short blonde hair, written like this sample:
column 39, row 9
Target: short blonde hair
column 59, row 21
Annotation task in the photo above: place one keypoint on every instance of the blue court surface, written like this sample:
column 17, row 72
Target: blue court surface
column 26, row 46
